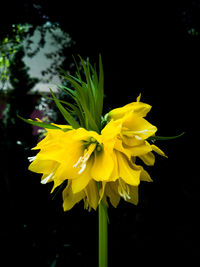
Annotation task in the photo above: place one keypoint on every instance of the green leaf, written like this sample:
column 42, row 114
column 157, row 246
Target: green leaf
column 100, row 86
column 154, row 138
column 89, row 90
column 40, row 124
column 67, row 116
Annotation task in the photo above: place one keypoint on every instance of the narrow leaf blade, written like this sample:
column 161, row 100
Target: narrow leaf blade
column 40, row 124
column 154, row 138
column 67, row 116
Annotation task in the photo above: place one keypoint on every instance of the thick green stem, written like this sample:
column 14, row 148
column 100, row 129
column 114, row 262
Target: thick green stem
column 103, row 235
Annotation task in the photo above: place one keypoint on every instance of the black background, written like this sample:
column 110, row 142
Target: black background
column 145, row 49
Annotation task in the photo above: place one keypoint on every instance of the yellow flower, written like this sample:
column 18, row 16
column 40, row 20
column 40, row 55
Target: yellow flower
column 78, row 156
column 139, row 108
column 98, row 166
column 129, row 131
column 133, row 131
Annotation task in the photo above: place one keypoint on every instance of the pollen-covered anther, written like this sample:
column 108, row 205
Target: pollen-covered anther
column 92, row 140
column 99, row 148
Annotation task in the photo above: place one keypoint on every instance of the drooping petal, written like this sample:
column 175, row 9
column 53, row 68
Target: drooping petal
column 102, row 190
column 70, row 199
column 142, row 147
column 145, row 176
column 57, row 182
column 115, row 172
column 52, row 137
column 52, row 152
column 138, row 98
column 67, row 169
column 112, row 192
column 126, row 171
column 91, row 193
column 133, row 193
column 158, row 150
column 148, row 159
column 103, row 165
column 112, row 129
column 131, row 141
column 46, row 178
column 139, row 108
column 83, row 179
column 43, row 166
column 135, row 126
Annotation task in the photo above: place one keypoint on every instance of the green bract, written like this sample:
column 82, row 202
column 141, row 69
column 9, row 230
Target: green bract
column 87, row 95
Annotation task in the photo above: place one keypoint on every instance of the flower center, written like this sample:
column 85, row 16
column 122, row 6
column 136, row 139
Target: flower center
column 81, row 163
column 90, row 146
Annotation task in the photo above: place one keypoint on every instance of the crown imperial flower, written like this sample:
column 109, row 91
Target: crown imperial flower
column 96, row 155
column 102, row 165
column 99, row 164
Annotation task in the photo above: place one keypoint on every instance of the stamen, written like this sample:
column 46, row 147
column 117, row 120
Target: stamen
column 83, row 166
column 123, row 190
column 138, row 137
column 124, row 195
column 131, row 133
column 31, row 158
column 81, row 163
column 45, row 180
column 77, row 163
column 136, row 134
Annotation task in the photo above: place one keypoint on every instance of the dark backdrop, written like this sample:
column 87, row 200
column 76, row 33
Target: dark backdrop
column 145, row 49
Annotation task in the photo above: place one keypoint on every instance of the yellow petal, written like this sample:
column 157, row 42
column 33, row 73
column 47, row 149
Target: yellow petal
column 139, row 108
column 112, row 192
column 133, row 193
column 138, row 98
column 144, row 176
column 111, row 129
column 102, row 166
column 57, row 182
column 131, row 141
column 43, row 166
column 142, row 147
column 70, row 199
column 149, row 158
column 126, row 171
column 67, row 168
column 53, row 137
column 136, row 126
column 91, row 193
column 115, row 172
column 110, row 133
column 158, row 150
column 62, row 126
column 102, row 190
column 83, row 134
column 83, row 179
column 52, row 152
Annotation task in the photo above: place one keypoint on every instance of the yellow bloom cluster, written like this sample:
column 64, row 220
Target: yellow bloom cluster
column 99, row 166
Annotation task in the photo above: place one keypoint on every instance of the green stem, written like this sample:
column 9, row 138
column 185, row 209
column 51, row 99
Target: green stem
column 103, row 235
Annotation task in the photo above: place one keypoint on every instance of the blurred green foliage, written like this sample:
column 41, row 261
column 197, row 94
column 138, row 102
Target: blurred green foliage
column 9, row 45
